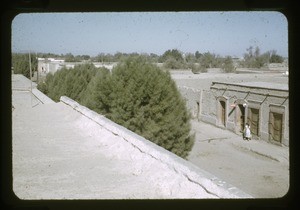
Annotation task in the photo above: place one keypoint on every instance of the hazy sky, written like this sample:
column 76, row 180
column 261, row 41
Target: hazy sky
column 223, row 33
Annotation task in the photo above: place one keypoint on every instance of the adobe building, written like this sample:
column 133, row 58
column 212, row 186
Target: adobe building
column 264, row 106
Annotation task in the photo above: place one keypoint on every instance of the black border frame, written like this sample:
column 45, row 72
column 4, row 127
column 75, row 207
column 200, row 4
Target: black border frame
column 10, row 8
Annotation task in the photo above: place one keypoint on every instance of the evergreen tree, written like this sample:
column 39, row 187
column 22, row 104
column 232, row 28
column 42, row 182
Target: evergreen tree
column 20, row 63
column 69, row 82
column 44, row 85
column 144, row 99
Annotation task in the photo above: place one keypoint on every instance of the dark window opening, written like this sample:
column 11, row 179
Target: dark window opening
column 222, row 112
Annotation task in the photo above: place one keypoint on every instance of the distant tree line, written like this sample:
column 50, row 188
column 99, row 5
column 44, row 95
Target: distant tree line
column 135, row 94
column 171, row 59
column 254, row 59
column 175, row 59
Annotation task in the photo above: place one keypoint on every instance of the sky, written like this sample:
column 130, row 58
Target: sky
column 222, row 33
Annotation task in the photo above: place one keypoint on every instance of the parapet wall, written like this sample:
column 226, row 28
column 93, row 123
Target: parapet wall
column 193, row 174
column 42, row 97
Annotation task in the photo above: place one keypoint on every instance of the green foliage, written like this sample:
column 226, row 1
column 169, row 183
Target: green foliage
column 207, row 60
column 172, row 59
column 228, row 66
column 174, row 53
column 69, row 82
column 69, row 57
column 43, row 86
column 144, row 99
column 102, row 57
column 190, row 58
column 20, row 63
column 172, row 63
column 210, row 60
column 257, row 60
column 118, row 56
column 253, row 59
column 198, row 55
column 274, row 58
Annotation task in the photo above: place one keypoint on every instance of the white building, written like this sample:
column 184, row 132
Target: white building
column 47, row 65
column 51, row 65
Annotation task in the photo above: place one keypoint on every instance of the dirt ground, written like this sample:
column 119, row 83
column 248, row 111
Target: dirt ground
column 204, row 80
column 256, row 167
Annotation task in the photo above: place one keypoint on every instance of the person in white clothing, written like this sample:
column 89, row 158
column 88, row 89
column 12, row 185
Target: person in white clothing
column 247, row 132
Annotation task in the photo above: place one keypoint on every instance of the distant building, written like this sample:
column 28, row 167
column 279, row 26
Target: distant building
column 51, row 65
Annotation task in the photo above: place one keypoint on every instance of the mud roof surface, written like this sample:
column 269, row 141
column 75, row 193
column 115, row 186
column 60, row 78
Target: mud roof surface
column 264, row 85
column 65, row 151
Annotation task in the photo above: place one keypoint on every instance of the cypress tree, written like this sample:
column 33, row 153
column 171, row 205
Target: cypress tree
column 141, row 97
column 69, row 82
column 20, row 63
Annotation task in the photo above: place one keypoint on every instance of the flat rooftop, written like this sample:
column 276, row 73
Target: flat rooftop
column 266, row 85
column 263, row 85
column 66, row 151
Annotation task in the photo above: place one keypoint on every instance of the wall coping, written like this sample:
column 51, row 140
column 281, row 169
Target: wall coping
column 210, row 183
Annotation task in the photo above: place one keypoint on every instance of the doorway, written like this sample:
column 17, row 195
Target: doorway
column 240, row 118
column 222, row 113
column 253, row 120
column 275, row 126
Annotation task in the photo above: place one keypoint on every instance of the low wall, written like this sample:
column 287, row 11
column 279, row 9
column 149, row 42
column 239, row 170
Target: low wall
column 42, row 97
column 205, row 180
column 192, row 97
